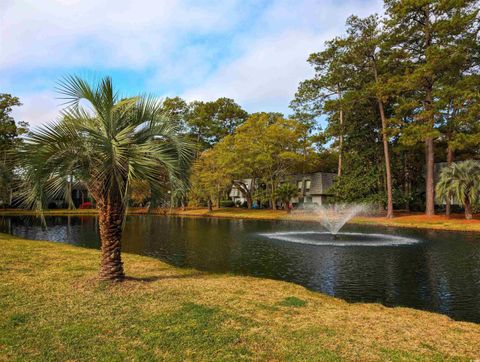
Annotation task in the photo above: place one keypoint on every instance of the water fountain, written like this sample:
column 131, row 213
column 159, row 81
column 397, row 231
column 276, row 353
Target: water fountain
column 333, row 217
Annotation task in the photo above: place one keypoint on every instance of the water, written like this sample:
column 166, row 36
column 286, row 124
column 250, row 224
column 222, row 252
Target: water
column 430, row 270
column 334, row 216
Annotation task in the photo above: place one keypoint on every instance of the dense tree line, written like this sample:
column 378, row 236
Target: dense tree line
column 255, row 159
column 394, row 87
column 389, row 98
column 10, row 133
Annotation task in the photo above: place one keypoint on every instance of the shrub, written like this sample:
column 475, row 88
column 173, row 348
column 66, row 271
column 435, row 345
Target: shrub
column 227, row 203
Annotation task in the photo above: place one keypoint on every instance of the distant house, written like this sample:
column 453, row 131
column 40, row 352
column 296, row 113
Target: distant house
column 236, row 196
column 79, row 196
column 312, row 187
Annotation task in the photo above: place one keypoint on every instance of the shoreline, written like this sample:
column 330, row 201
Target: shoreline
column 401, row 220
column 161, row 310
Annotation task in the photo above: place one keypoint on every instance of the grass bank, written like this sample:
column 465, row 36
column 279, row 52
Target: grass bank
column 53, row 308
column 455, row 222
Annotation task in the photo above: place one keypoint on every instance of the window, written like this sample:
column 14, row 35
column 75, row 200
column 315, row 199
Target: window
column 300, row 185
column 307, row 185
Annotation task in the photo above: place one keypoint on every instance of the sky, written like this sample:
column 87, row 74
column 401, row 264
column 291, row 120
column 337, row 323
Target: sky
column 252, row 51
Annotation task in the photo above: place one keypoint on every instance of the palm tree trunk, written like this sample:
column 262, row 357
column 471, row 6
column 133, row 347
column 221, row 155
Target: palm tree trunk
column 468, row 209
column 110, row 220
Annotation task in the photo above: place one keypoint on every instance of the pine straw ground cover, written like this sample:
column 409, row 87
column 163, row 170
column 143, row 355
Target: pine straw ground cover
column 53, row 308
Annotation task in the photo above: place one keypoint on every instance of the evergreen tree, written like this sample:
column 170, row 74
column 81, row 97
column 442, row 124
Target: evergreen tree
column 428, row 37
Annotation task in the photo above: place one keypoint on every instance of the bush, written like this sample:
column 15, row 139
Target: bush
column 227, row 203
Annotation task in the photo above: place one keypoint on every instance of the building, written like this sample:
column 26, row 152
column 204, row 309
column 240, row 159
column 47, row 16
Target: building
column 79, row 196
column 312, row 187
column 236, row 196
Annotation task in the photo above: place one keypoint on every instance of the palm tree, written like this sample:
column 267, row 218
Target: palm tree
column 106, row 143
column 285, row 192
column 460, row 180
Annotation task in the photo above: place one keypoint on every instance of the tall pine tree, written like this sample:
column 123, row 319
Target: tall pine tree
column 427, row 36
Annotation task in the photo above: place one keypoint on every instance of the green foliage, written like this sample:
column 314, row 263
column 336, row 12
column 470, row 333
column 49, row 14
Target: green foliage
column 227, row 203
column 140, row 192
column 460, row 180
column 420, row 64
column 177, row 111
column 209, row 122
column 208, row 180
column 114, row 143
column 359, row 184
column 267, row 147
column 10, row 140
column 286, row 191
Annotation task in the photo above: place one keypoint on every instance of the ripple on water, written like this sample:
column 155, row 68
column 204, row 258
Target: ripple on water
column 322, row 238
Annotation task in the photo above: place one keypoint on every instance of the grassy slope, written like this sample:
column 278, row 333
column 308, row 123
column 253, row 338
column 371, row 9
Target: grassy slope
column 53, row 308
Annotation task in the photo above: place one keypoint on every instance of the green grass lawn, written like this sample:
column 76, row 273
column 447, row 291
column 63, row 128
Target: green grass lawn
column 53, row 308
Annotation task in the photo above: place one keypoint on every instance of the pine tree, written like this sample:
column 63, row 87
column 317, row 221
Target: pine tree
column 427, row 36
column 365, row 47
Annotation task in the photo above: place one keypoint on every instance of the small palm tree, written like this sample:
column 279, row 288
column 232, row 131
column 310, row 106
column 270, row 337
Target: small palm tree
column 462, row 181
column 285, row 193
column 106, row 143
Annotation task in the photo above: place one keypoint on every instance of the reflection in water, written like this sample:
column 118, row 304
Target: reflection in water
column 440, row 271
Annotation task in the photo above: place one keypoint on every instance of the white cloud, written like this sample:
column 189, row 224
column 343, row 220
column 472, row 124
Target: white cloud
column 103, row 33
column 259, row 61
column 266, row 74
column 37, row 108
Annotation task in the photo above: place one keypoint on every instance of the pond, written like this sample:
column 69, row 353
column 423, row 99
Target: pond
column 423, row 269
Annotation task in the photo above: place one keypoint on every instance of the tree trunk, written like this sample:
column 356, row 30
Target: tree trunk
column 110, row 219
column 429, row 181
column 448, row 199
column 209, row 203
column 246, row 192
column 340, row 152
column 273, row 198
column 386, row 153
column 468, row 209
column 428, row 107
column 339, row 173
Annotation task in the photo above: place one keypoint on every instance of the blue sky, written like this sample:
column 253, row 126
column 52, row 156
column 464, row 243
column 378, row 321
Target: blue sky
column 252, row 51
